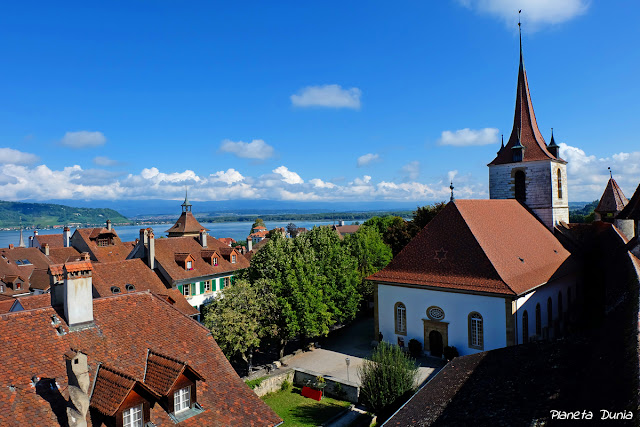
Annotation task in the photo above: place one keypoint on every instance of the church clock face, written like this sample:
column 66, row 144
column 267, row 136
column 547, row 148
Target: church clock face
column 435, row 313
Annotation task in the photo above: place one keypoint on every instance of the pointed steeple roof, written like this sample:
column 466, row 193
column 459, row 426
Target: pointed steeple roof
column 525, row 128
column 632, row 210
column 613, row 199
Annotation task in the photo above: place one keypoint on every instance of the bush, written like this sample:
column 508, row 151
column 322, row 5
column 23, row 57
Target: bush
column 254, row 383
column 386, row 376
column 450, row 352
column 286, row 386
column 415, row 347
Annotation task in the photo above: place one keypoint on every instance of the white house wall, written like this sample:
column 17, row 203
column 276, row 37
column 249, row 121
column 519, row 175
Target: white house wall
column 539, row 296
column 456, row 306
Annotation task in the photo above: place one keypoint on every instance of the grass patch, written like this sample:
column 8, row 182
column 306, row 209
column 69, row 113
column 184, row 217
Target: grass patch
column 255, row 383
column 297, row 410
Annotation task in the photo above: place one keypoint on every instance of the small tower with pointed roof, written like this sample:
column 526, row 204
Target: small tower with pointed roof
column 525, row 168
column 612, row 201
column 187, row 224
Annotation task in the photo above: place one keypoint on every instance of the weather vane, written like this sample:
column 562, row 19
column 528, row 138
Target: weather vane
column 610, row 174
column 451, row 187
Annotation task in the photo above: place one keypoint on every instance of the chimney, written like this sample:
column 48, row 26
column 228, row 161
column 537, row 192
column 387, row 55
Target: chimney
column 84, row 256
column 56, row 281
column 45, row 249
column 340, row 223
column 35, row 232
column 203, row 238
column 109, row 224
column 143, row 236
column 151, row 251
column 66, row 236
column 78, row 293
column 78, row 380
column 249, row 244
column 30, row 241
column 10, row 245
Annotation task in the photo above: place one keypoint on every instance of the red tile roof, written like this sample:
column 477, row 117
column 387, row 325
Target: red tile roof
column 525, row 128
column 62, row 255
column 227, row 240
column 162, row 372
column 187, row 224
column 53, row 240
column 6, row 304
column 118, row 251
column 30, row 302
column 632, row 210
column 166, row 250
column 127, row 326
column 78, row 266
column 175, row 297
column 613, row 199
column 476, row 245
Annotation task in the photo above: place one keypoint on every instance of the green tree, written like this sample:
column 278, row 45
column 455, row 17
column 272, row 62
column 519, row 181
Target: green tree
column 292, row 229
column 423, row 215
column 397, row 235
column 235, row 319
column 258, row 223
column 371, row 254
column 386, row 377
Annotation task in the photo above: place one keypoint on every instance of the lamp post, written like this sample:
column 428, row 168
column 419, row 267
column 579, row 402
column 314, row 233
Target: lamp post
column 348, row 361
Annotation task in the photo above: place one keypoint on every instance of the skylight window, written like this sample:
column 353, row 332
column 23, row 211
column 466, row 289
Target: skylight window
column 129, row 287
column 115, row 290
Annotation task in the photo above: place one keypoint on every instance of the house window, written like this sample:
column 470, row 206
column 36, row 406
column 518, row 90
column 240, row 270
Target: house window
column 186, row 289
column 207, row 286
column 521, row 189
column 227, row 281
column 18, row 286
column 214, row 262
column 559, row 184
column 189, row 265
column 132, row 417
column 103, row 242
column 538, row 320
column 525, row 327
column 182, row 399
column 401, row 318
column 1, row 288
column 476, row 332
column 560, row 305
column 549, row 312
column 233, row 259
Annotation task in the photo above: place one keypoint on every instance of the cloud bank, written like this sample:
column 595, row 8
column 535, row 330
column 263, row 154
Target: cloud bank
column 256, row 149
column 11, row 156
column 468, row 137
column 535, row 12
column 83, row 139
column 367, row 159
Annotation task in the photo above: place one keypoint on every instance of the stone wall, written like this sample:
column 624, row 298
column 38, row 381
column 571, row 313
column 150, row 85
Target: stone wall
column 274, row 382
column 350, row 391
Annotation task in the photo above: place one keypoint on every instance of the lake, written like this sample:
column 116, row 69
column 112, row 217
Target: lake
column 235, row 230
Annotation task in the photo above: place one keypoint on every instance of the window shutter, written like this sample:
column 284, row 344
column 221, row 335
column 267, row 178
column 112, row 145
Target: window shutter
column 202, row 287
column 231, row 280
column 180, row 288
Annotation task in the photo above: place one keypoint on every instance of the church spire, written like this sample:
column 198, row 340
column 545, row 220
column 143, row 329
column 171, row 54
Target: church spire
column 186, row 206
column 525, row 130
column 21, row 242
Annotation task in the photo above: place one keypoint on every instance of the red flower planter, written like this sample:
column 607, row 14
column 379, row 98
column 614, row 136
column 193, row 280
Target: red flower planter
column 311, row 393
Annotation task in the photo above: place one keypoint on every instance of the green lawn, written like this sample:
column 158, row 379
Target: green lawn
column 296, row 410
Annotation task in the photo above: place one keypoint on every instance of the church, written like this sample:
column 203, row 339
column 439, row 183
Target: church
column 486, row 274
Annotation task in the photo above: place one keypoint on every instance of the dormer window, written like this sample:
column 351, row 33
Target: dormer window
column 1, row 288
column 189, row 265
column 115, row 290
column 233, row 259
column 132, row 417
column 129, row 287
column 18, row 286
column 214, row 262
column 182, row 399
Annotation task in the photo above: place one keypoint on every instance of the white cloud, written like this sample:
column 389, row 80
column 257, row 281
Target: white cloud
column 229, row 177
column 83, row 138
column 534, row 12
column 318, row 183
column 466, row 137
column 588, row 174
column 15, row 157
column 330, row 96
column 367, row 159
column 256, row 149
column 105, row 161
column 288, row 176
column 411, row 171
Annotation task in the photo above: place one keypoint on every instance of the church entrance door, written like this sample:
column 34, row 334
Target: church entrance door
column 435, row 343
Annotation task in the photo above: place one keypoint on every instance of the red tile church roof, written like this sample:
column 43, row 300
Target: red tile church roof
column 613, row 199
column 477, row 246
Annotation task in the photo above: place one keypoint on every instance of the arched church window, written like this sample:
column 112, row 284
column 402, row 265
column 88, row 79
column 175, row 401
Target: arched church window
column 538, row 320
column 476, row 331
column 525, row 327
column 400, row 318
column 559, row 184
column 521, row 190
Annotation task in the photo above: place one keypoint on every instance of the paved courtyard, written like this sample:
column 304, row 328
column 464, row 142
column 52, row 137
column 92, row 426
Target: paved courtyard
column 353, row 342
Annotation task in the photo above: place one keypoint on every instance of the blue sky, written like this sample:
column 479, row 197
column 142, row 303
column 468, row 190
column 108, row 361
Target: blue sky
column 337, row 101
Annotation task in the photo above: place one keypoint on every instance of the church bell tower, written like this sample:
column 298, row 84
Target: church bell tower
column 526, row 168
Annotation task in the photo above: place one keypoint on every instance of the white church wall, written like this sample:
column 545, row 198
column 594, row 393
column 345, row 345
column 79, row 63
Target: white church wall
column 540, row 296
column 456, row 306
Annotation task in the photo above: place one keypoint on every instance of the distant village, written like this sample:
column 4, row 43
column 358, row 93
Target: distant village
column 507, row 313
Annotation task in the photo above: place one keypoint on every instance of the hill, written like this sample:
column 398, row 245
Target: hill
column 42, row 215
